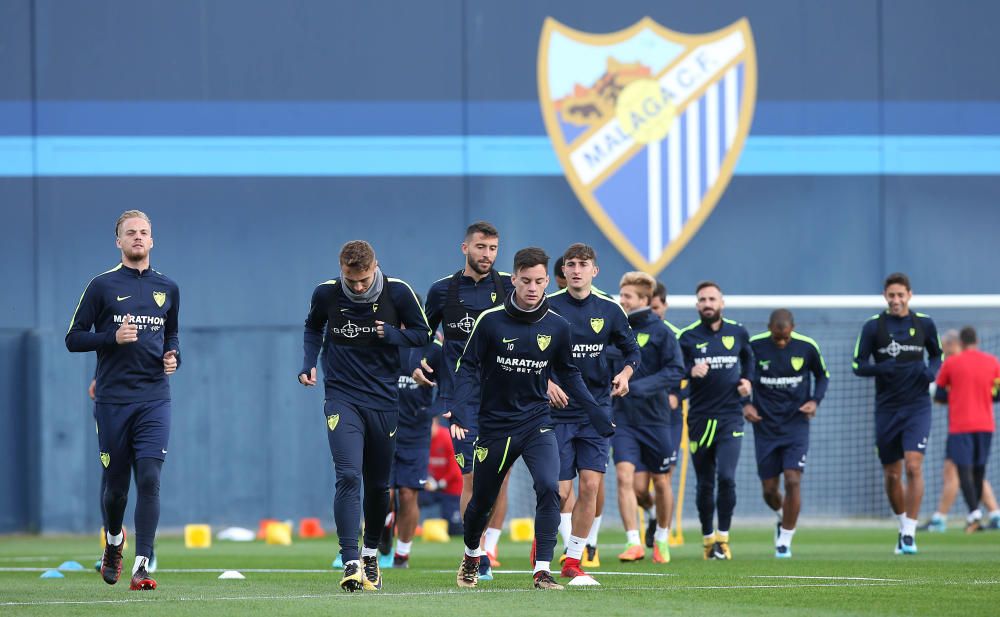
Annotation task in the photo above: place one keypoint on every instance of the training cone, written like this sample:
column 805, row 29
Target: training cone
column 197, row 536
column 232, row 574
column 385, row 561
column 70, row 566
column 52, row 574
column 435, row 530
column 338, row 563
column 278, row 533
column 262, row 527
column 311, row 528
column 522, row 529
column 583, row 581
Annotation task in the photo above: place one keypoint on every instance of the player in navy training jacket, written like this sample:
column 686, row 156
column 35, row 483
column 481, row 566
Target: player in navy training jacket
column 360, row 319
column 511, row 353
column 132, row 310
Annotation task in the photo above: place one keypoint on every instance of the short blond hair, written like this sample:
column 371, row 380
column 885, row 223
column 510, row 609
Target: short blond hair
column 644, row 283
column 130, row 214
column 357, row 255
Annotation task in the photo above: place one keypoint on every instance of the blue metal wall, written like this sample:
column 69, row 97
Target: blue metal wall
column 247, row 249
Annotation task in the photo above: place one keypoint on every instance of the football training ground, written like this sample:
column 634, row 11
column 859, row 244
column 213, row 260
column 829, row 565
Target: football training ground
column 839, row 572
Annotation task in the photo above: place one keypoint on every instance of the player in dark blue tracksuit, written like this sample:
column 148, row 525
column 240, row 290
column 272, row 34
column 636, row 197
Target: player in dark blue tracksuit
column 897, row 339
column 511, row 352
column 719, row 365
column 360, row 319
column 133, row 311
column 642, row 442
column 413, row 445
column 785, row 399
column 598, row 323
column 454, row 302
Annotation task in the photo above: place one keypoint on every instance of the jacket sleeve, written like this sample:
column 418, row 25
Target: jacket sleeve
column 863, row 349
column 171, row 337
column 312, row 337
column 572, row 383
column 821, row 376
column 79, row 337
column 667, row 378
column 467, row 372
column 417, row 332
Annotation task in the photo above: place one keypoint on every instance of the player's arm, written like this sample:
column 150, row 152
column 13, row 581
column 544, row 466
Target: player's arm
column 79, row 337
column 746, row 367
column 312, row 334
column 667, row 378
column 416, row 333
column 623, row 338
column 821, row 381
column 572, row 383
column 171, row 338
column 932, row 342
column 863, row 349
column 467, row 374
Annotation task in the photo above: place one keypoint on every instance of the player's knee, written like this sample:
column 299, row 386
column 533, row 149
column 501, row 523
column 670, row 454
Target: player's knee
column 727, row 482
column 349, row 480
column 914, row 469
column 147, row 481
column 588, row 487
column 792, row 483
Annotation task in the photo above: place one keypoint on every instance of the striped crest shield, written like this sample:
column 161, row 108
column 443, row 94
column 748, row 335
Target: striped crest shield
column 648, row 124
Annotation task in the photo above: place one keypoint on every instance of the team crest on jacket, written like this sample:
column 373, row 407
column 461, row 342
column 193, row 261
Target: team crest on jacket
column 728, row 341
column 597, row 323
column 159, row 297
column 648, row 125
column 543, row 341
column 797, row 362
column 331, row 421
column 642, row 338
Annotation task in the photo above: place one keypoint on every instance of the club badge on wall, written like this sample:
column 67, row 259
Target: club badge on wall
column 648, row 125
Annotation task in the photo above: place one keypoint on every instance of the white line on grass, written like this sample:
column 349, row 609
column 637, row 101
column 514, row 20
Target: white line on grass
column 827, row 578
column 433, row 593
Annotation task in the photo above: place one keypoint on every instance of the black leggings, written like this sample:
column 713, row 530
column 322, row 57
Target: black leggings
column 147, row 505
column 970, row 478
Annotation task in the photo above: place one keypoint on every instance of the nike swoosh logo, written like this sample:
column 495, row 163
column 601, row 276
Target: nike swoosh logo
column 164, row 451
column 509, row 340
column 120, row 298
column 737, row 434
column 544, row 430
column 422, row 481
column 393, row 431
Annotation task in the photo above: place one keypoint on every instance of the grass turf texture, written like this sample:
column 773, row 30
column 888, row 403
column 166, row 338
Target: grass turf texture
column 954, row 574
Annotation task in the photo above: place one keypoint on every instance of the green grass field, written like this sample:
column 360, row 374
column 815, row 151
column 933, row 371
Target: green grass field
column 834, row 572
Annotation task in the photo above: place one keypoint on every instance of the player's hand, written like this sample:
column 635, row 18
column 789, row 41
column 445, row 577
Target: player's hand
column 92, row 389
column 457, row 432
column 170, row 362
column 419, row 373
column 127, row 332
column 744, row 389
column 750, row 413
column 619, row 385
column 809, row 409
column 674, row 401
column 557, row 398
column 380, row 329
column 308, row 379
column 699, row 370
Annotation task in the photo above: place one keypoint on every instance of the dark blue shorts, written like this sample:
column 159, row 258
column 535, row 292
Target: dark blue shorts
column 409, row 468
column 464, row 449
column 969, row 449
column 649, row 448
column 130, row 431
column 905, row 430
column 580, row 447
column 776, row 455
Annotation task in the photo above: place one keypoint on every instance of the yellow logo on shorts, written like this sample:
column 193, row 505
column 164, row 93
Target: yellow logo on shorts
column 481, row 453
column 331, row 421
column 493, row 296
column 105, row 459
column 460, row 459
column 160, row 297
column 693, row 446
column 597, row 323
column 797, row 362
column 642, row 338
column 543, row 341
column 728, row 341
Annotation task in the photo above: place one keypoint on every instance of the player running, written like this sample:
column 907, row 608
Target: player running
column 719, row 365
column 133, row 311
column 455, row 302
column 897, row 339
column 597, row 322
column 510, row 352
column 643, row 445
column 360, row 320
column 785, row 399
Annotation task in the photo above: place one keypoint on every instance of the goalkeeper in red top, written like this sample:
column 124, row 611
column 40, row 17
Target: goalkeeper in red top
column 972, row 378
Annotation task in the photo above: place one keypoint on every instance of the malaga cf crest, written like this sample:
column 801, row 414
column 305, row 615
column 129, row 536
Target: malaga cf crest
column 648, row 124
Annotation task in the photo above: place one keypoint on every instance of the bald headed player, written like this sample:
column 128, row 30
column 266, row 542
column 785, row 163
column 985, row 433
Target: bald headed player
column 789, row 383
